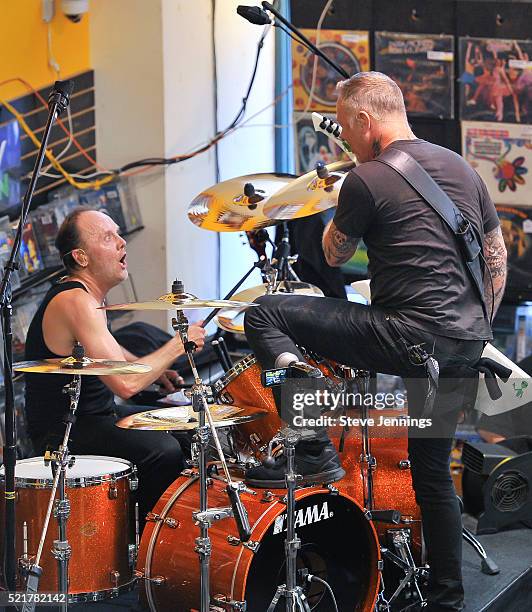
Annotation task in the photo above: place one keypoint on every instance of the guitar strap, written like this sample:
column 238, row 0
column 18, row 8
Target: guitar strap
column 469, row 243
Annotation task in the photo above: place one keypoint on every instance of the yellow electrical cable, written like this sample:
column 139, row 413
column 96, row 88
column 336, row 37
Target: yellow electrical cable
column 96, row 184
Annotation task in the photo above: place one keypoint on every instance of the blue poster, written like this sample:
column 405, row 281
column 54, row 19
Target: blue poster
column 9, row 164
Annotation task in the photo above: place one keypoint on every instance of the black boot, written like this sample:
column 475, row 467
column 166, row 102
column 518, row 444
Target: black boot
column 315, row 462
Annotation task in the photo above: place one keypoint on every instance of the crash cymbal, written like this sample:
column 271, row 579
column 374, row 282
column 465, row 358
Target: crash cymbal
column 170, row 301
column 309, row 194
column 93, row 367
column 236, row 205
column 183, row 418
column 233, row 320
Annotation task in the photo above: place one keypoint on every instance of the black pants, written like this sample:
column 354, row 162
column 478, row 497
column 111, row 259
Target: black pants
column 156, row 454
column 370, row 338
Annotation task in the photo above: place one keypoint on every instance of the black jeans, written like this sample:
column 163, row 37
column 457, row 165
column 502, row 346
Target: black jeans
column 156, row 454
column 370, row 338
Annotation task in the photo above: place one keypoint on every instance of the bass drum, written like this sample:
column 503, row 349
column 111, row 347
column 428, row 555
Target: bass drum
column 338, row 544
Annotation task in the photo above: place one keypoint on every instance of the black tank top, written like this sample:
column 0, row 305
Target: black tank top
column 46, row 404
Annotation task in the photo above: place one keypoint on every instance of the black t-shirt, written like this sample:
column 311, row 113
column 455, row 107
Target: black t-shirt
column 415, row 266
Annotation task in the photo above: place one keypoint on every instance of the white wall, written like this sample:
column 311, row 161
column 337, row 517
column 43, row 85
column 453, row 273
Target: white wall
column 153, row 67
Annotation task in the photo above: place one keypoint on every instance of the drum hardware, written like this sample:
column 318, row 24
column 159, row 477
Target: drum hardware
column 113, row 491
column 155, row 580
column 223, row 356
column 404, row 464
column 61, row 461
column 205, row 516
column 368, row 463
column 295, row 598
column 250, row 544
column 238, row 606
column 400, row 539
column 154, row 518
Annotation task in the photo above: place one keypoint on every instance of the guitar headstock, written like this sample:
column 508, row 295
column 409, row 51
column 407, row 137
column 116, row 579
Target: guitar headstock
column 332, row 130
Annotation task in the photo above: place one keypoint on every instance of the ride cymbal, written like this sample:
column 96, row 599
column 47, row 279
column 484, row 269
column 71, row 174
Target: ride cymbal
column 183, row 418
column 236, row 205
column 309, row 194
column 87, row 366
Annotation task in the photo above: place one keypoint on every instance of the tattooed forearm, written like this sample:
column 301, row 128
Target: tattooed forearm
column 495, row 256
column 337, row 246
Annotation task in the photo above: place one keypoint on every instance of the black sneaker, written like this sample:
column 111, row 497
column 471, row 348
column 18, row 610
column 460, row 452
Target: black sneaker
column 323, row 468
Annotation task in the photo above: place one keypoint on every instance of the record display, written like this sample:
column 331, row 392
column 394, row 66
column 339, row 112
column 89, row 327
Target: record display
column 9, row 164
column 349, row 49
column 423, row 67
column 502, row 155
column 496, row 80
column 311, row 146
column 516, row 225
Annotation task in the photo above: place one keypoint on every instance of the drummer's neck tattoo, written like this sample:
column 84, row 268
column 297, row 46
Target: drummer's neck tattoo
column 377, row 147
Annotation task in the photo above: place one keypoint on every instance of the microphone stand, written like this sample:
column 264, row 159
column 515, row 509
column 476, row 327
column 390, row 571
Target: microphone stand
column 269, row 7
column 58, row 101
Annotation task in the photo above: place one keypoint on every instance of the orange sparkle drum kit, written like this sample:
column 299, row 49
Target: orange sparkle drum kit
column 211, row 542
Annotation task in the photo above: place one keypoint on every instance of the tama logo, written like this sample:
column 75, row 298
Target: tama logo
column 304, row 517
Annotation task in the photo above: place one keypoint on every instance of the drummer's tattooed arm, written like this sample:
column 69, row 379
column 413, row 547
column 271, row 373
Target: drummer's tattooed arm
column 337, row 246
column 495, row 256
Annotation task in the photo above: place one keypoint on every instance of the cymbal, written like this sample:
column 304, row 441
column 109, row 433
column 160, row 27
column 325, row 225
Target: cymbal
column 183, row 418
column 93, row 367
column 170, row 301
column 233, row 321
column 236, row 205
column 308, row 194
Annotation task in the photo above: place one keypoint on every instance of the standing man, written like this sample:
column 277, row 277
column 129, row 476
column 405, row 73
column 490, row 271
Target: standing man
column 422, row 295
column 94, row 255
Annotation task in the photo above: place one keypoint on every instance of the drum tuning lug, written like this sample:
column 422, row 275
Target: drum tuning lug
column 115, row 577
column 157, row 518
column 250, row 544
column 225, row 600
column 156, row 580
column 113, row 490
column 267, row 497
column 404, row 464
column 211, row 515
column 333, row 490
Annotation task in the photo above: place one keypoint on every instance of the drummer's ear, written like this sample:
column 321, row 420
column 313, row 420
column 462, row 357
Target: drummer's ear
column 80, row 257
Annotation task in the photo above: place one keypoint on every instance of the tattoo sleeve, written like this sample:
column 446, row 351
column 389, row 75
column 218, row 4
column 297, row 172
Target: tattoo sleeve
column 337, row 246
column 495, row 256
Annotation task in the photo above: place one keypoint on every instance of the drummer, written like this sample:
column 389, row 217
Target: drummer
column 94, row 255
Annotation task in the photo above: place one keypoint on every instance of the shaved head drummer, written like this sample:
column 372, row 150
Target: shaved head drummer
column 94, row 255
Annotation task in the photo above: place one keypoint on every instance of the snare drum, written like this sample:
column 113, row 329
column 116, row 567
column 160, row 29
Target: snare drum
column 338, row 544
column 98, row 528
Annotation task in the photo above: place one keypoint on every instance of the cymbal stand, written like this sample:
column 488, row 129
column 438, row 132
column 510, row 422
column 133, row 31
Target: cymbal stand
column 61, row 460
column 293, row 594
column 205, row 517
column 283, row 261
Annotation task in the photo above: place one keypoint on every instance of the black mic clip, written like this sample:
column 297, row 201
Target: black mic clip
column 60, row 95
column 254, row 14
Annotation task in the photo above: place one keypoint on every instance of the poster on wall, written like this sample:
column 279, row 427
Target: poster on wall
column 423, row 67
column 9, row 164
column 502, row 155
column 311, row 146
column 349, row 49
column 495, row 80
column 516, row 226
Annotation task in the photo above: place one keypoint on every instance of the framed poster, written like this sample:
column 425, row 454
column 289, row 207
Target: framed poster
column 349, row 49
column 502, row 155
column 516, row 226
column 495, row 80
column 311, row 146
column 9, row 164
column 423, row 67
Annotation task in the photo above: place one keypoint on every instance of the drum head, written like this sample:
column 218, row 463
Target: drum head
column 337, row 545
column 87, row 470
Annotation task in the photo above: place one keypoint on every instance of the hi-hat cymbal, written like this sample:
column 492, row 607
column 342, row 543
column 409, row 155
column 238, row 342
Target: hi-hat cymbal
column 93, row 367
column 233, row 321
column 170, row 301
column 183, row 418
column 308, row 194
column 236, row 205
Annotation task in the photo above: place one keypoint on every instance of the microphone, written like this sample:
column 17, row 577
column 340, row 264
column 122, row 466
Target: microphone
column 60, row 95
column 282, row 252
column 254, row 14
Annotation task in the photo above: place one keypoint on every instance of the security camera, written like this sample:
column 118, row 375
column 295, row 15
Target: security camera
column 74, row 9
